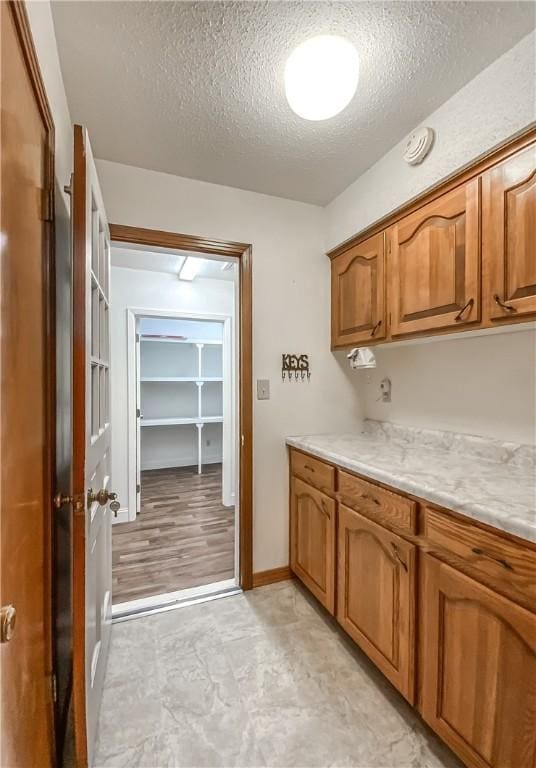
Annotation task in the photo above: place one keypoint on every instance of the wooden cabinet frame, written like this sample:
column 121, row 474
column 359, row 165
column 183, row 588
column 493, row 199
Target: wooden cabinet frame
column 480, row 286
column 478, row 566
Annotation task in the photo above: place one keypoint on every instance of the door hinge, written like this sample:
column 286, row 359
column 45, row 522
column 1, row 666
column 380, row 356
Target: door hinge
column 47, row 208
column 138, row 488
column 54, row 686
column 138, row 338
column 138, row 413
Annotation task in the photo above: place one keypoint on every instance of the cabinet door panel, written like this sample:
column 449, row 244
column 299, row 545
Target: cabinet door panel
column 435, row 264
column 479, row 670
column 358, row 293
column 509, row 237
column 312, row 540
column 376, row 595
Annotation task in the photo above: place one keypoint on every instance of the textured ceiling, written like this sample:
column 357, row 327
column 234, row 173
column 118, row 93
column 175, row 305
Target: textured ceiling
column 168, row 261
column 196, row 88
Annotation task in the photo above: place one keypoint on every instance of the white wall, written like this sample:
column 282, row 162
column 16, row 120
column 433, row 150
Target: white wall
column 132, row 288
column 495, row 105
column 290, row 314
column 483, row 385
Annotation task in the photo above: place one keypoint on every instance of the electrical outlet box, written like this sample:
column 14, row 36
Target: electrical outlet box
column 263, row 389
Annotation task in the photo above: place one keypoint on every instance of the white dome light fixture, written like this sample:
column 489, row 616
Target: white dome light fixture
column 321, row 76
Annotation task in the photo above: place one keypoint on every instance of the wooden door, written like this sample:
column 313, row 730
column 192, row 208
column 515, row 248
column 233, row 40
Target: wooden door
column 358, row 294
column 479, row 670
column 26, row 401
column 509, row 237
column 92, row 562
column 376, row 595
column 312, row 540
column 435, row 264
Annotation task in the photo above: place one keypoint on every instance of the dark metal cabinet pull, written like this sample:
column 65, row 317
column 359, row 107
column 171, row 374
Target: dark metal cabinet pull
column 483, row 553
column 307, row 466
column 370, row 498
column 398, row 557
column 469, row 305
column 326, row 510
column 502, row 305
column 376, row 328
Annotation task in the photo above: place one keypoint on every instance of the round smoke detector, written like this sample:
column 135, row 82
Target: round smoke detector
column 418, row 145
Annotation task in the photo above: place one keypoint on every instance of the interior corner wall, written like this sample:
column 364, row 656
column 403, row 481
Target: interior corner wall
column 133, row 288
column 290, row 314
column 483, row 385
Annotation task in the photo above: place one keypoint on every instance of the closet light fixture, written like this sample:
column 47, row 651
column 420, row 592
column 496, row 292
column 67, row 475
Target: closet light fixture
column 190, row 268
column 321, row 76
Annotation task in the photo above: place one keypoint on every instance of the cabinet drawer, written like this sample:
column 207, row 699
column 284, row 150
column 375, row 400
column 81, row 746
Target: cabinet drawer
column 375, row 501
column 313, row 471
column 486, row 551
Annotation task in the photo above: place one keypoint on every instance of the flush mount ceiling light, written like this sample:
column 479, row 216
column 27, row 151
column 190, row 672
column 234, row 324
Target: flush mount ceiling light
column 190, row 267
column 321, row 77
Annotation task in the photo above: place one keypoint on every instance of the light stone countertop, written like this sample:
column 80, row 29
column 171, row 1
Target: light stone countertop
column 487, row 480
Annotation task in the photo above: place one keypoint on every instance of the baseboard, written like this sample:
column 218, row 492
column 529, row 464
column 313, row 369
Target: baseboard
column 188, row 462
column 261, row 578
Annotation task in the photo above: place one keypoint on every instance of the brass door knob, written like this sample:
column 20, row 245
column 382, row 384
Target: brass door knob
column 102, row 497
column 8, row 618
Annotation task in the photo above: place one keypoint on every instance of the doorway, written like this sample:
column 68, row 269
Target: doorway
column 176, row 413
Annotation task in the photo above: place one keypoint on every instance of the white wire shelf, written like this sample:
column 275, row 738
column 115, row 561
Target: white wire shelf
column 175, row 422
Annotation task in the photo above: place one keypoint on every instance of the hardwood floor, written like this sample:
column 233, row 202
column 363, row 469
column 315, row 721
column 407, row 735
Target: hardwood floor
column 183, row 536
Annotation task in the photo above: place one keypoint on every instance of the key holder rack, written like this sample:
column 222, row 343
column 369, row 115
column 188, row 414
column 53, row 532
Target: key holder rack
column 295, row 367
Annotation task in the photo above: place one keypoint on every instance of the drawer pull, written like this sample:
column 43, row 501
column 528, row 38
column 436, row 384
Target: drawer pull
column 504, row 563
column 398, row 557
column 370, row 498
column 309, row 467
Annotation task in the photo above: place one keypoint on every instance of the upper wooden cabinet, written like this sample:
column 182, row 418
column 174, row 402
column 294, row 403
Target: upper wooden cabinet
column 358, row 293
column 509, row 237
column 478, row 669
column 434, row 264
column 376, row 595
column 312, row 540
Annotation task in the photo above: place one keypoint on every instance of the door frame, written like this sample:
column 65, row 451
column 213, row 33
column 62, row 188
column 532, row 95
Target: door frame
column 152, row 238
column 133, row 315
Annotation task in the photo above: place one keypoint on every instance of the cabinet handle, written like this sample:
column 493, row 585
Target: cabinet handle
column 396, row 553
column 370, row 498
column 326, row 510
column 483, row 553
column 311, row 469
column 376, row 328
column 502, row 305
column 469, row 305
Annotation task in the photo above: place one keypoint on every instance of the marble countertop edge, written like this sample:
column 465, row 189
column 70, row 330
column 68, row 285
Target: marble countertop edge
column 494, row 512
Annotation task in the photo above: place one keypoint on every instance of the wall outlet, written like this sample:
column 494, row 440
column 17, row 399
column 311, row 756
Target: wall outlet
column 263, row 389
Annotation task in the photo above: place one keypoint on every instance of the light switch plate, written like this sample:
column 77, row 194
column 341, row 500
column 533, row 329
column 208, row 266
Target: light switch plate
column 263, row 389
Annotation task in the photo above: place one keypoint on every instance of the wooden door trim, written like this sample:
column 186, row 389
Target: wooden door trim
column 121, row 233
column 21, row 23
column 468, row 172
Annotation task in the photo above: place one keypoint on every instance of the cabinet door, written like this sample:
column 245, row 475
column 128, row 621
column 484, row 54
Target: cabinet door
column 312, row 540
column 435, row 264
column 358, row 294
column 376, row 595
column 509, row 237
column 479, row 670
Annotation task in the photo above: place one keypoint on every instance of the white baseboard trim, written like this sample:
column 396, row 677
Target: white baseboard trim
column 122, row 516
column 188, row 462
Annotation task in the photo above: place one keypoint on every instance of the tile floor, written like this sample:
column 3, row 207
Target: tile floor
column 261, row 679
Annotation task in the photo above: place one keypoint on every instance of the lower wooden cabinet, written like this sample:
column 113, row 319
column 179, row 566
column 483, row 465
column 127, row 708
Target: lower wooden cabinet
column 376, row 595
column 312, row 540
column 467, row 657
column 478, row 669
